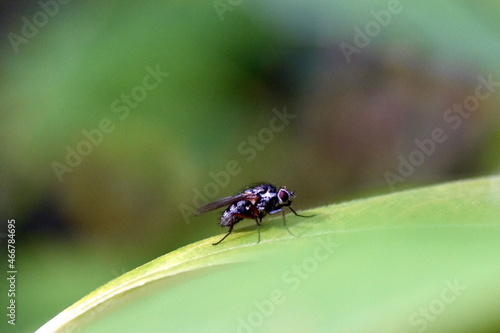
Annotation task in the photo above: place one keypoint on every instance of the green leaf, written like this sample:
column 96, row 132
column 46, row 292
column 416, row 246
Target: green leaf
column 424, row 259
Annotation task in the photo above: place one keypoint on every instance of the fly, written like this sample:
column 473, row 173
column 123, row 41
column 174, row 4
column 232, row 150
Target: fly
column 254, row 203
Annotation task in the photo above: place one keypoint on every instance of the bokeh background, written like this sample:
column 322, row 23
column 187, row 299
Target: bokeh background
column 360, row 82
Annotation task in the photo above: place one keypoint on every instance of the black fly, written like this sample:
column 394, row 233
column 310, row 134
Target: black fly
column 253, row 203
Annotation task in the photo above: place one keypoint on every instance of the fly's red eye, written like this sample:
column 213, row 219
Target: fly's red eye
column 283, row 195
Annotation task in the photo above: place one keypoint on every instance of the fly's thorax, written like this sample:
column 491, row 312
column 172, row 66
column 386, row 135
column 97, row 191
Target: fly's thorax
column 265, row 192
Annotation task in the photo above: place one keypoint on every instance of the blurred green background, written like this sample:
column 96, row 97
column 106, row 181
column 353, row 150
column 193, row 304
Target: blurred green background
column 359, row 81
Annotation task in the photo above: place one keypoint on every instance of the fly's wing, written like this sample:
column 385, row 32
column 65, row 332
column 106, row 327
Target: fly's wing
column 227, row 201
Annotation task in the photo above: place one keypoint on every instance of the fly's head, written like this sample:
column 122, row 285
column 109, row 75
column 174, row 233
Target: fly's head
column 285, row 196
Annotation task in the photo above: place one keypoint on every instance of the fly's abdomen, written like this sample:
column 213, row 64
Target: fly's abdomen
column 227, row 219
column 234, row 213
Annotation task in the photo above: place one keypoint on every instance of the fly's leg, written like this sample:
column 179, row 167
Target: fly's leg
column 296, row 214
column 258, row 228
column 228, row 233
column 233, row 222
column 258, row 219
column 284, row 222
